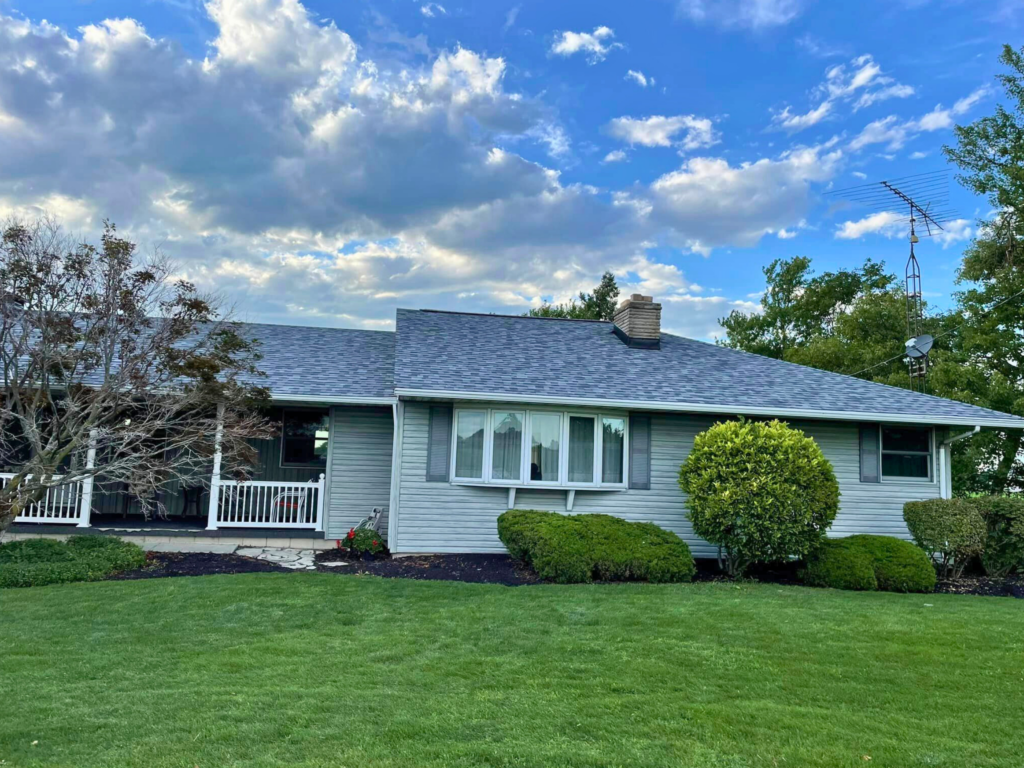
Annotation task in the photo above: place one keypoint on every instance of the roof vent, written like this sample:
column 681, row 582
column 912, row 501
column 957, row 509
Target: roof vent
column 638, row 322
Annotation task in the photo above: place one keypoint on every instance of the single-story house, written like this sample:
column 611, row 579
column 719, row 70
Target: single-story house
column 455, row 417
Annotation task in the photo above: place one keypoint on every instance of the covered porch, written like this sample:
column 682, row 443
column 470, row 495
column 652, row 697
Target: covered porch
column 286, row 493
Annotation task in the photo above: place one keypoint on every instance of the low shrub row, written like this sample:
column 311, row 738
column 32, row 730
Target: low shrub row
column 870, row 563
column 580, row 548
column 36, row 562
column 954, row 531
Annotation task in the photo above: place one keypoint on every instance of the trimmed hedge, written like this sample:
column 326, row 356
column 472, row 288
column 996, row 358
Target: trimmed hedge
column 36, row 562
column 570, row 549
column 896, row 565
column 951, row 531
column 761, row 491
column 1004, row 542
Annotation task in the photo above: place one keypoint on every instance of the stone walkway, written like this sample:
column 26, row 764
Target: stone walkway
column 296, row 559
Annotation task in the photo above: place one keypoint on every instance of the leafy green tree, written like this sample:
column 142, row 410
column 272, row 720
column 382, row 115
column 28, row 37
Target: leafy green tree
column 599, row 305
column 990, row 345
column 798, row 309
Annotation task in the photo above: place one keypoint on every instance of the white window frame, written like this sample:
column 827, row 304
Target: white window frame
column 485, row 471
column 901, row 478
column 524, row 480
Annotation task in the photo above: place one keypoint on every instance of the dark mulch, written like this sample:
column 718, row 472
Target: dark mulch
column 163, row 564
column 1012, row 586
column 477, row 569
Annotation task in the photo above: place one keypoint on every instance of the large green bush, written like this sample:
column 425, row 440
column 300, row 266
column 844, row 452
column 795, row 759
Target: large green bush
column 761, row 491
column 1004, row 542
column 895, row 565
column 36, row 562
column 579, row 548
column 951, row 531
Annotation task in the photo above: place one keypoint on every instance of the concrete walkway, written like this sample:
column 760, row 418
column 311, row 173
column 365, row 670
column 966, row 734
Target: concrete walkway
column 286, row 557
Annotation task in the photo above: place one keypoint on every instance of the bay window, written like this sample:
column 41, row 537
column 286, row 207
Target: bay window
column 547, row 448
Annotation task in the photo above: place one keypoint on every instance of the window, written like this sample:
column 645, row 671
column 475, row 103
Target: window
column 507, row 446
column 613, row 445
column 469, row 444
column 906, row 453
column 304, row 438
column 539, row 447
column 545, row 446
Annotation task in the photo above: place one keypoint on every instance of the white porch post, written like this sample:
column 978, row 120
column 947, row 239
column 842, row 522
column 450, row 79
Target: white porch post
column 211, row 523
column 85, row 508
column 320, row 506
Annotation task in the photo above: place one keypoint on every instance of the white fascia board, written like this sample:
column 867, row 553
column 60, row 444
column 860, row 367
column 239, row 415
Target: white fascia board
column 647, row 405
column 332, row 399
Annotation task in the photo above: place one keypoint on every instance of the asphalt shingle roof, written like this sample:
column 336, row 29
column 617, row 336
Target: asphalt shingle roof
column 325, row 362
column 573, row 359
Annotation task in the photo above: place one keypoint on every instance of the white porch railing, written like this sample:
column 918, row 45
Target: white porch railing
column 269, row 504
column 61, row 504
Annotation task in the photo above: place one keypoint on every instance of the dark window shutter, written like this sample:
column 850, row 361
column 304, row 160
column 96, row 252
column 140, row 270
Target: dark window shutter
column 439, row 443
column 870, row 455
column 640, row 451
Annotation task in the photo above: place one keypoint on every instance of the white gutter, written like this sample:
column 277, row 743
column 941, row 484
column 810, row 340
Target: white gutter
column 953, row 439
column 648, row 405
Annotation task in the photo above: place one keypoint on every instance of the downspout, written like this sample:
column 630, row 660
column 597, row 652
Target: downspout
column 946, row 491
column 397, row 412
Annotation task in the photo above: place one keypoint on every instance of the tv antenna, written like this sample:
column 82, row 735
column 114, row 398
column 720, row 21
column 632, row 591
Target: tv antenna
column 925, row 198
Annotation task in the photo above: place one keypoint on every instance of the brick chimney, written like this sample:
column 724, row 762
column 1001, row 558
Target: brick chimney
column 638, row 322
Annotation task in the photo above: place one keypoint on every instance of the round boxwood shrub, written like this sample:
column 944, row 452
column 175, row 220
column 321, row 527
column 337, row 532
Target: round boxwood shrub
column 570, row 549
column 36, row 562
column 951, row 531
column 760, row 491
column 840, row 565
column 897, row 565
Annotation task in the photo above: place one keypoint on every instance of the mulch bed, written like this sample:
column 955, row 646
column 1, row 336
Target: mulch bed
column 164, row 564
column 476, row 569
column 489, row 569
column 982, row 585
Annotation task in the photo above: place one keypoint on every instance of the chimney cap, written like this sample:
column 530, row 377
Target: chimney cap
column 639, row 297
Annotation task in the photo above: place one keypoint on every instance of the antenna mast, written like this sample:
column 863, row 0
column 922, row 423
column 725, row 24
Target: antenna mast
column 918, row 193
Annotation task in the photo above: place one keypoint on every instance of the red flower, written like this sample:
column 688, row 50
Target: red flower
column 351, row 533
column 375, row 542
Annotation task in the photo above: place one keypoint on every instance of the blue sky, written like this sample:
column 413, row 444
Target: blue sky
column 322, row 162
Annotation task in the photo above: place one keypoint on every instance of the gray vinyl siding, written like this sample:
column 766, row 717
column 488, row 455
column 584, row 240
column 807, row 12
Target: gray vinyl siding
column 360, row 476
column 439, row 517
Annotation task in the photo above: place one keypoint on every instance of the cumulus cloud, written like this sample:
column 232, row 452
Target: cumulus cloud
column 639, row 78
column 750, row 14
column 615, row 156
column 594, row 45
column 430, row 10
column 688, row 132
column 786, row 120
column 310, row 183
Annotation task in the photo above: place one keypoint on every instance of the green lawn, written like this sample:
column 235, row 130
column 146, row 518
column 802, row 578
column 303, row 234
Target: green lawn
column 327, row 670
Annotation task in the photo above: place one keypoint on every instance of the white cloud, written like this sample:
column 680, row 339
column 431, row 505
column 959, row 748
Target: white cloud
column 890, row 224
column 885, row 223
column 918, row 155
column 594, row 45
column 639, row 78
column 615, row 156
column 430, row 10
column 859, row 174
column 660, row 131
column 862, row 83
column 785, row 234
column 894, row 133
column 787, row 121
column 750, row 14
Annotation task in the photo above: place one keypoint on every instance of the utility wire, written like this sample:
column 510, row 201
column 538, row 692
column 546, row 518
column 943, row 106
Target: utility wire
column 944, row 333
